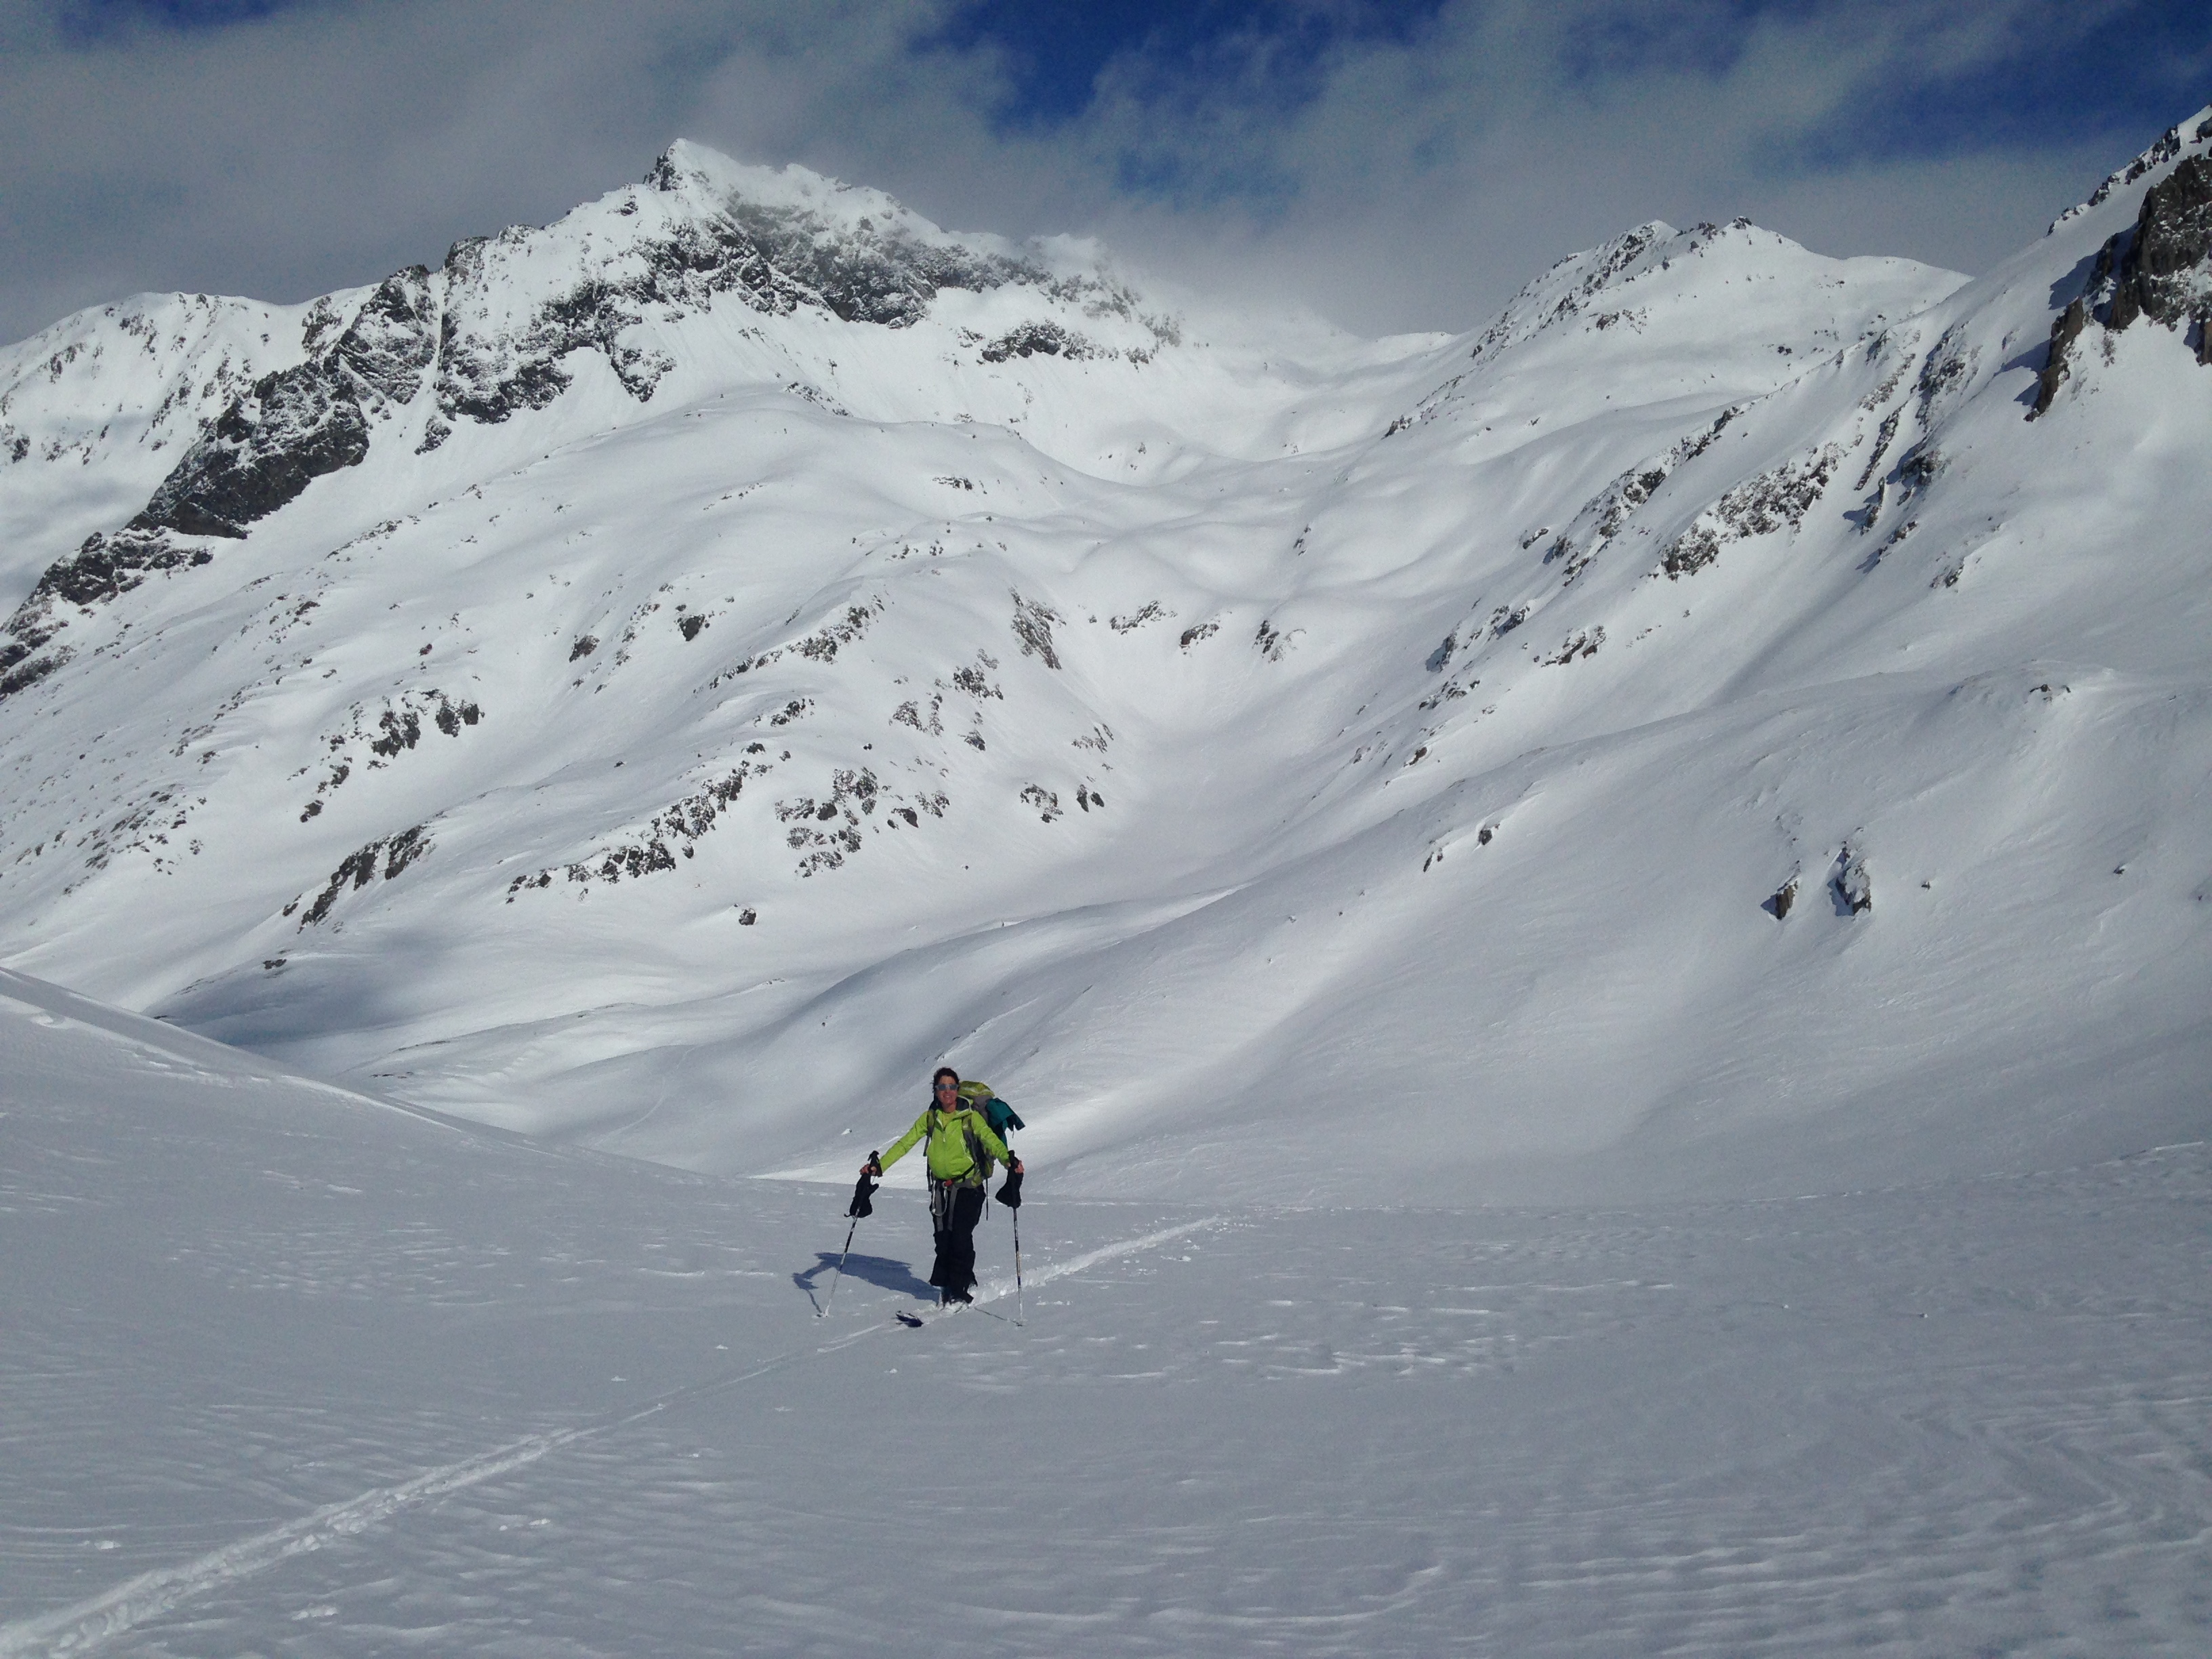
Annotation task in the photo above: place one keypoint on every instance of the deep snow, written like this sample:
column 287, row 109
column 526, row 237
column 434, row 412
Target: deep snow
column 291, row 1370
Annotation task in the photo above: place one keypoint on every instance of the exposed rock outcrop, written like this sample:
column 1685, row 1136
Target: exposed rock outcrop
column 292, row 427
column 1850, row 884
column 2163, row 272
column 1045, row 339
column 2160, row 268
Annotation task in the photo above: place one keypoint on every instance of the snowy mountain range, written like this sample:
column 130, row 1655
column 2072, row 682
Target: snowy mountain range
column 1742, row 719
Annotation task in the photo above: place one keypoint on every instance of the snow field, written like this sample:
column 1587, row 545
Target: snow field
column 292, row 1370
column 1602, row 927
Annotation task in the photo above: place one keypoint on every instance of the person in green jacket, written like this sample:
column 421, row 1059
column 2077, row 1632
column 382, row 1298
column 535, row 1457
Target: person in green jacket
column 961, row 1148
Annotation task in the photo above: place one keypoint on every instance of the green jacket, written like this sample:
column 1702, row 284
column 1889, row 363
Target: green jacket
column 961, row 1145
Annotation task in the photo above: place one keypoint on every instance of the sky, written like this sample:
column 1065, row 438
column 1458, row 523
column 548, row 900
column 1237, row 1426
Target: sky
column 1395, row 165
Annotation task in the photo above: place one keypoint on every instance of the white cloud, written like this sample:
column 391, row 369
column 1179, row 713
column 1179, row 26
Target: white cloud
column 1405, row 183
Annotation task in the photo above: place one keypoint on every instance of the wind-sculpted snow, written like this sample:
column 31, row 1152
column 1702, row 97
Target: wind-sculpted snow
column 769, row 645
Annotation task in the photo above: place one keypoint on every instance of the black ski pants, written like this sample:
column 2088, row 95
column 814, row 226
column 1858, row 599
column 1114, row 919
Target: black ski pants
column 954, row 1209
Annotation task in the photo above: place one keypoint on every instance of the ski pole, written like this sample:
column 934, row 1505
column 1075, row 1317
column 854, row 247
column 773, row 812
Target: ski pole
column 859, row 1207
column 1011, row 1196
column 838, row 1278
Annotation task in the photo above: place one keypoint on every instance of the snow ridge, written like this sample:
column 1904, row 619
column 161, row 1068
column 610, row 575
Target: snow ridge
column 2183, row 135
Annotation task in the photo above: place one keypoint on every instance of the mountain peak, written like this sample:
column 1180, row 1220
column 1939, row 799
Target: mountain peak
column 715, row 180
column 792, row 197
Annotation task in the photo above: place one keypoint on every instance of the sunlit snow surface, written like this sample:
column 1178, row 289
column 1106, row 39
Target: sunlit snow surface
column 1198, row 734
column 289, row 1371
column 1691, row 747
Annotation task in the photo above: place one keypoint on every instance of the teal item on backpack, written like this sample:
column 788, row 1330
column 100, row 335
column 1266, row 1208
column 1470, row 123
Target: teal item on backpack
column 1000, row 1116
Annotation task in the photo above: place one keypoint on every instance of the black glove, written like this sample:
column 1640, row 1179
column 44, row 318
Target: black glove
column 859, row 1206
column 1010, row 1193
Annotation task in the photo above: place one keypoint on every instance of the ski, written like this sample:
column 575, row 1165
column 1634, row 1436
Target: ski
column 915, row 1319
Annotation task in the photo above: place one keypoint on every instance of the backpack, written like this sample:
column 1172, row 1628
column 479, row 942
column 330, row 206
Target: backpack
column 1002, row 1118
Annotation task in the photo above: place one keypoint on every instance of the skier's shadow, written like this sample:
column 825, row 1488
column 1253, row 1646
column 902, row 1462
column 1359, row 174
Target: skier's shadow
column 877, row 1270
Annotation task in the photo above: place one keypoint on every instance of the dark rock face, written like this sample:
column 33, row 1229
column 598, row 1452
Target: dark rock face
column 297, row 424
column 782, row 257
column 393, row 339
column 1774, row 500
column 889, row 279
column 106, row 566
column 2064, row 333
column 358, row 869
column 20, row 666
column 1033, row 625
column 289, row 429
column 2160, row 269
column 2161, row 275
column 1045, row 339
column 491, row 376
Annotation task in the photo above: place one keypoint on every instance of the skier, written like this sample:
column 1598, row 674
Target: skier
column 961, row 1147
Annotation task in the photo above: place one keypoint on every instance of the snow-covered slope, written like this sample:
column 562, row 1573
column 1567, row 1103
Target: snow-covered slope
column 290, row 1370
column 671, row 677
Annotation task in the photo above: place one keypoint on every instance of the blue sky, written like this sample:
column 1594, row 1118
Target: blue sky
column 1395, row 165
column 2120, row 68
column 1056, row 49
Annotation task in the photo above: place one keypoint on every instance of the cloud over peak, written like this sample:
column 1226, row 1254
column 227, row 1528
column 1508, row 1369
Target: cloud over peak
column 1396, row 167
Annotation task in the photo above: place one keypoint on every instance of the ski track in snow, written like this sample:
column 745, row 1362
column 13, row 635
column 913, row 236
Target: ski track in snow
column 99, row 1619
